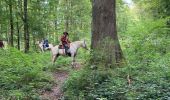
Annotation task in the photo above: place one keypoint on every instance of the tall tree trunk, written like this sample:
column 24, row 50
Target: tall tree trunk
column 104, row 34
column 18, row 36
column 66, row 16
column 19, row 7
column 26, row 34
column 11, row 23
column 66, row 23
column 7, row 35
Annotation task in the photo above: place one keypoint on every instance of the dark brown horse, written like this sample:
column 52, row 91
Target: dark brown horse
column 1, row 44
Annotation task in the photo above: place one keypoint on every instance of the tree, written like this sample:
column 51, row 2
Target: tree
column 11, row 23
column 26, row 34
column 105, row 41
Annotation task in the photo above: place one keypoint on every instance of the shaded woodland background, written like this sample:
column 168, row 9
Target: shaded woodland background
column 45, row 19
column 143, row 28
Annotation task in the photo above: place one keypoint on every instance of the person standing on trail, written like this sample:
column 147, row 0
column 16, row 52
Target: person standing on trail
column 65, row 41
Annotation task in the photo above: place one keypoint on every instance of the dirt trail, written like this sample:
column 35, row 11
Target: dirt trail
column 56, row 93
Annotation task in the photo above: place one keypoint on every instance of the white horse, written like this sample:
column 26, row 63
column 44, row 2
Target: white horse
column 74, row 46
column 40, row 44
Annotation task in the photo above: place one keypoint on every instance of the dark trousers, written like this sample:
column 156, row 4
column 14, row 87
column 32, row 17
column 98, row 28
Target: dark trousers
column 45, row 45
column 66, row 48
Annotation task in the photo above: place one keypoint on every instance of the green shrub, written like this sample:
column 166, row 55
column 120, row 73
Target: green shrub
column 147, row 53
column 21, row 75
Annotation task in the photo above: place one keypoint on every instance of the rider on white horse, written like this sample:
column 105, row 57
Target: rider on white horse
column 45, row 44
column 65, row 42
column 74, row 46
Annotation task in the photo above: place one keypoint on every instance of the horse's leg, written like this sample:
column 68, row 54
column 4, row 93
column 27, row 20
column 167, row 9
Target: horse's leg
column 41, row 49
column 73, row 60
column 54, row 57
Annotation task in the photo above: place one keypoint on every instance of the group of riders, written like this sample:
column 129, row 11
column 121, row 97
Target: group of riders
column 64, row 42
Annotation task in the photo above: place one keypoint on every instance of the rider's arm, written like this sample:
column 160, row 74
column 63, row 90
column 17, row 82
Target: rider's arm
column 68, row 41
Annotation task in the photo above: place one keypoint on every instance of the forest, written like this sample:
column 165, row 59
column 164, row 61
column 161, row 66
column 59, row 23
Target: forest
column 84, row 49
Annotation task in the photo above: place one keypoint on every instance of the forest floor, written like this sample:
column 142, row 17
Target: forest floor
column 56, row 91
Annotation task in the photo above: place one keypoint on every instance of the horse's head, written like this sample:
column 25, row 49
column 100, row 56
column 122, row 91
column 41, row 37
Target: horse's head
column 38, row 42
column 50, row 46
column 84, row 45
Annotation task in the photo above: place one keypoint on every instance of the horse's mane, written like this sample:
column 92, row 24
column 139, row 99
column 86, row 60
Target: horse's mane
column 76, row 41
column 71, row 43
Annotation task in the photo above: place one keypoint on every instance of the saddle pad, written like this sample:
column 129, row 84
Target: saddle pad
column 61, row 47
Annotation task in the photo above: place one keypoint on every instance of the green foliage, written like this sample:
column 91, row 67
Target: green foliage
column 98, row 84
column 21, row 74
column 62, row 63
column 147, row 82
column 156, row 8
column 145, row 42
column 144, row 36
column 46, row 19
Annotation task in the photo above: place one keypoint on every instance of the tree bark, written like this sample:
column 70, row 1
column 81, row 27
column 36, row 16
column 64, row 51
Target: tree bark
column 18, row 29
column 26, row 34
column 104, row 33
column 11, row 23
column 18, row 36
column 67, row 16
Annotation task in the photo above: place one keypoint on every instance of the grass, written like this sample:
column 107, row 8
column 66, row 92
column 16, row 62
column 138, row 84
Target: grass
column 22, row 75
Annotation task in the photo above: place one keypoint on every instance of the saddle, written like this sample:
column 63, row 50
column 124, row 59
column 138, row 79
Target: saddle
column 61, row 47
column 66, row 49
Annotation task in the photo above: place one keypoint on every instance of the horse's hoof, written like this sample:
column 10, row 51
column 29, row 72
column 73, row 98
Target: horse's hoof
column 72, row 66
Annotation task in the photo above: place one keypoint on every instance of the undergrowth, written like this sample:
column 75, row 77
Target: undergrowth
column 147, row 52
column 147, row 82
column 22, row 75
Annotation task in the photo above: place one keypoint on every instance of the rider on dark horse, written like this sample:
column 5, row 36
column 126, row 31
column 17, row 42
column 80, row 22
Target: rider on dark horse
column 45, row 43
column 65, row 41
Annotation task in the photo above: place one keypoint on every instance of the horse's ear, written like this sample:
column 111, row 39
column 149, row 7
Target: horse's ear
column 37, row 42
